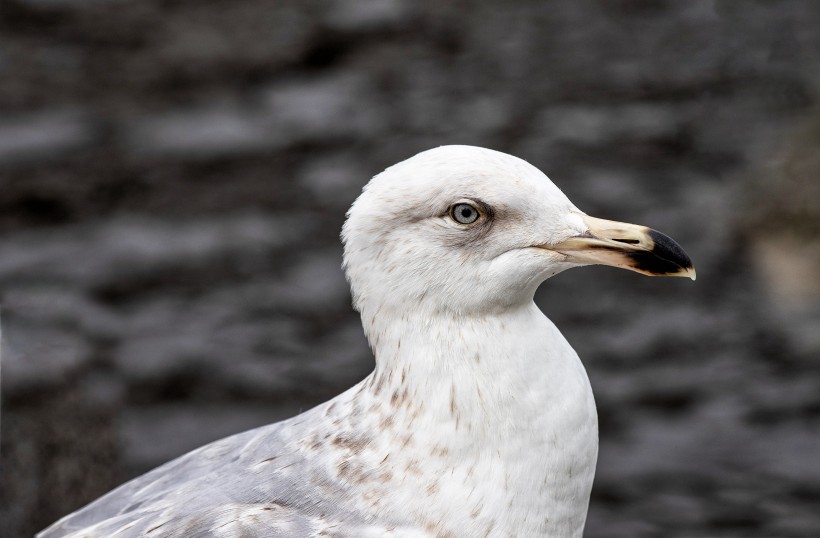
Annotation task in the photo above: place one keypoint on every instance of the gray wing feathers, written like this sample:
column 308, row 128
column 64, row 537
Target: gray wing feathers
column 260, row 483
column 202, row 493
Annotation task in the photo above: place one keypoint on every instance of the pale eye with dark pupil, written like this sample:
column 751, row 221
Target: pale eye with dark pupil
column 464, row 213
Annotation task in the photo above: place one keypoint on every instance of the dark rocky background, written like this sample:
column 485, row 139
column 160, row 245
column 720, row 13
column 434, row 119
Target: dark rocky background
column 174, row 175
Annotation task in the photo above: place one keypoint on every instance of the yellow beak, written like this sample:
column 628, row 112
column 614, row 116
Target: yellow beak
column 629, row 246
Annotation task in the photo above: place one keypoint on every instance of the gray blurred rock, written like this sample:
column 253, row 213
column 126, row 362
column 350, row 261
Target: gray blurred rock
column 333, row 106
column 216, row 131
column 367, row 15
column 43, row 135
column 39, row 357
column 335, row 181
column 591, row 126
column 91, row 255
column 317, row 109
column 314, row 283
column 57, row 305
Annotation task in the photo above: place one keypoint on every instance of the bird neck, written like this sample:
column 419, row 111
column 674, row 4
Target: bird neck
column 505, row 388
column 483, row 370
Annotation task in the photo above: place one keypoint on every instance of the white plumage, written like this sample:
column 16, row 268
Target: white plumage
column 478, row 419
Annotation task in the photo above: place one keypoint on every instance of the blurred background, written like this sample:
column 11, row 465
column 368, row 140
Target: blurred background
column 174, row 175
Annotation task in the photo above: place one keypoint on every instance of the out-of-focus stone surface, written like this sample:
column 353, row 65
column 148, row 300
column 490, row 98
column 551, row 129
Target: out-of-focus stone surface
column 783, row 227
column 174, row 176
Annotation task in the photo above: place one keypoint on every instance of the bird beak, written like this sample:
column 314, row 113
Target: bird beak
column 629, row 246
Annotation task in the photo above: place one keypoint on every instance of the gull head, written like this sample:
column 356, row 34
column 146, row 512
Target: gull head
column 467, row 230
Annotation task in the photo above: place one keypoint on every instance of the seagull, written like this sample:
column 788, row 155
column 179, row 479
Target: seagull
column 478, row 419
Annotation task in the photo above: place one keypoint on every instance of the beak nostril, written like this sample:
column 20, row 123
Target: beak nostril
column 627, row 241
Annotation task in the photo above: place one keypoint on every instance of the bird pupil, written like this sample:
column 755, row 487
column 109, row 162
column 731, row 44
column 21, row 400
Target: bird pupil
column 464, row 213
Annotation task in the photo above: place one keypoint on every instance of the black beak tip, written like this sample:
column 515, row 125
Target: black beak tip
column 667, row 257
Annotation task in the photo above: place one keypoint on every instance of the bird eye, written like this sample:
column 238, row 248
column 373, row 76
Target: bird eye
column 464, row 213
